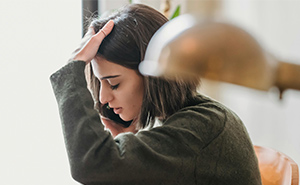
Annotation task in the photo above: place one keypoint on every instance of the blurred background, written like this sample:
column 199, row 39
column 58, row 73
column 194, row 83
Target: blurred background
column 37, row 38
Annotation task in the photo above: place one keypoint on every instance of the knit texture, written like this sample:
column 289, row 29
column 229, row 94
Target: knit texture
column 204, row 143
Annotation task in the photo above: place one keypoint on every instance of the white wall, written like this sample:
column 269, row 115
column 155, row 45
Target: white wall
column 36, row 39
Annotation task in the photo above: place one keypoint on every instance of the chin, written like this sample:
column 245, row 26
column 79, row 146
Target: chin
column 125, row 118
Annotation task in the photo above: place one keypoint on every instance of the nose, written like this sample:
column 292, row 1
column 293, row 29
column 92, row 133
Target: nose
column 105, row 95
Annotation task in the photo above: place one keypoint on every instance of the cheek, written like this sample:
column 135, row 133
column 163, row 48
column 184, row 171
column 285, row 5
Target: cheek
column 139, row 93
column 134, row 98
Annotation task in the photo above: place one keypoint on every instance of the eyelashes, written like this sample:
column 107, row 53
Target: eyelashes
column 114, row 87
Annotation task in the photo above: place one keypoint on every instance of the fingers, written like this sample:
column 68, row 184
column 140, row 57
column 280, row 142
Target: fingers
column 87, row 36
column 91, row 42
column 108, row 27
column 105, row 30
column 114, row 128
column 90, row 32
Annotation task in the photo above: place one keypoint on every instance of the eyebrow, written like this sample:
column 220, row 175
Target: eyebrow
column 107, row 77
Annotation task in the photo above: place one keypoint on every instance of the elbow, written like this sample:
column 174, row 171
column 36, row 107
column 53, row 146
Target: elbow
column 81, row 174
column 78, row 176
column 86, row 172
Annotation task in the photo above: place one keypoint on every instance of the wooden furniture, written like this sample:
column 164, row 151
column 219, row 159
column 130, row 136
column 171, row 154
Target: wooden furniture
column 276, row 168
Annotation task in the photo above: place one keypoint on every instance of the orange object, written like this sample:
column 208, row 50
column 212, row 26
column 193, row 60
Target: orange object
column 193, row 47
column 276, row 168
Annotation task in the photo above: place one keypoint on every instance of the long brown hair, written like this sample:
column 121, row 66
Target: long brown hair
column 134, row 25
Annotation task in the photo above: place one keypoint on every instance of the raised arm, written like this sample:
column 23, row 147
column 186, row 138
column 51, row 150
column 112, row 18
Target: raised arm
column 152, row 157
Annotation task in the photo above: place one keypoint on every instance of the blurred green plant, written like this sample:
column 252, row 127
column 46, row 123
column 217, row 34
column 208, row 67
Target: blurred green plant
column 176, row 13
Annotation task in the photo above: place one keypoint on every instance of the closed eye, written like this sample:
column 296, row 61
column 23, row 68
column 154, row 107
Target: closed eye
column 114, row 87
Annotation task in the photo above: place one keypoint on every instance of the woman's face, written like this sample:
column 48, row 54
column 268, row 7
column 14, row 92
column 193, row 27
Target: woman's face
column 122, row 88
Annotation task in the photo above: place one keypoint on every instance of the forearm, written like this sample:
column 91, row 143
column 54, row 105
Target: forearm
column 83, row 132
column 93, row 153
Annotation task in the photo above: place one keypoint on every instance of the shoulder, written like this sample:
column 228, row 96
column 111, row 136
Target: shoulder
column 204, row 117
column 201, row 111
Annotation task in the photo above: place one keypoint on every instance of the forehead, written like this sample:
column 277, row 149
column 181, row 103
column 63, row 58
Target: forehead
column 102, row 68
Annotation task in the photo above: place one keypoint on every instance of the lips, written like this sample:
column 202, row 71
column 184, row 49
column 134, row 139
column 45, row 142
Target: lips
column 117, row 110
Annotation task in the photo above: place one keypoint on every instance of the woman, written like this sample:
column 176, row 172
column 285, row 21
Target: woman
column 199, row 141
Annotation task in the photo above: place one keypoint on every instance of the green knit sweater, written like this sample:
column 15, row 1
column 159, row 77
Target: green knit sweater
column 204, row 143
